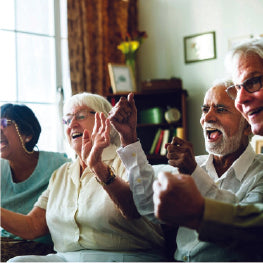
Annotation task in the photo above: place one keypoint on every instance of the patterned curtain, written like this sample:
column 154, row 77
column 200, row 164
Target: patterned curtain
column 95, row 28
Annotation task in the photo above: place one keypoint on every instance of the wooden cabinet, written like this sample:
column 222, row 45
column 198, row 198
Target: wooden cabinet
column 148, row 102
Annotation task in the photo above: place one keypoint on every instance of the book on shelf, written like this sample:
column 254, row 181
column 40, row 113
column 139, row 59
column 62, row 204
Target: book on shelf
column 165, row 140
column 180, row 132
column 155, row 140
column 172, row 134
column 162, row 137
column 159, row 143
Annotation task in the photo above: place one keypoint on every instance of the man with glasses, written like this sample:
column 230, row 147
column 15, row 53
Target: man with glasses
column 251, row 85
column 216, row 221
column 232, row 172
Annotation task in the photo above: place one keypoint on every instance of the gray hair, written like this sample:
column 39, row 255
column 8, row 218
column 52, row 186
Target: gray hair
column 226, row 82
column 222, row 82
column 95, row 102
column 249, row 47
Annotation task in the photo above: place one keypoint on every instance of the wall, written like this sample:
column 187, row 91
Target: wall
column 161, row 55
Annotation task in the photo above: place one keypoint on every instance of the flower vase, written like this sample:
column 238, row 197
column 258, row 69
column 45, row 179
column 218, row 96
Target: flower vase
column 130, row 60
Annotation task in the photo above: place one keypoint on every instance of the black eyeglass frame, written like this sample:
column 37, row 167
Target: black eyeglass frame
column 254, row 80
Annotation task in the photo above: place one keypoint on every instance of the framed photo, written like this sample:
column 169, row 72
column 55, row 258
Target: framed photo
column 200, row 47
column 121, row 78
column 259, row 146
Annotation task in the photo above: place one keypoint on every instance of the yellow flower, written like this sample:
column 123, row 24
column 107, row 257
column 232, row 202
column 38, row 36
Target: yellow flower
column 128, row 46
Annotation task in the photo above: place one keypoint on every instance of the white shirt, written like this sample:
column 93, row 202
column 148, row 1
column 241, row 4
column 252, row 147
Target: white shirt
column 242, row 182
column 81, row 215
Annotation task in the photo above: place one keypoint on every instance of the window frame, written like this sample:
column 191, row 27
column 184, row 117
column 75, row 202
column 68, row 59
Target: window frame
column 59, row 85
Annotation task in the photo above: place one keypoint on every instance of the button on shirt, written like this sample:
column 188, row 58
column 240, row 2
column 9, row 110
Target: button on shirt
column 242, row 182
column 81, row 215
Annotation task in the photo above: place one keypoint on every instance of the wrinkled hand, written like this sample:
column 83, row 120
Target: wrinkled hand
column 177, row 200
column 93, row 147
column 123, row 118
column 180, row 154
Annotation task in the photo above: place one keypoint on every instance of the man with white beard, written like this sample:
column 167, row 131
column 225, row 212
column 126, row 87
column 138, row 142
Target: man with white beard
column 232, row 172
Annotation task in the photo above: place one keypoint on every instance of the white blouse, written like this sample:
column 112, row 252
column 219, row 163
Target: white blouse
column 81, row 215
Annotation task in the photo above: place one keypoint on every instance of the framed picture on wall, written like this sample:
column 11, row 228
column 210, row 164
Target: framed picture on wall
column 121, row 78
column 200, row 47
column 259, row 146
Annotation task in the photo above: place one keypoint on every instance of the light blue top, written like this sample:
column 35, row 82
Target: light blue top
column 21, row 197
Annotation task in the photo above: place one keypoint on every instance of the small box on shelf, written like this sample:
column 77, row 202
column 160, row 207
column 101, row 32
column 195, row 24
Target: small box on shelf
column 151, row 116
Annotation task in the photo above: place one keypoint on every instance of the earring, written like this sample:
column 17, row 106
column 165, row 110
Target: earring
column 27, row 140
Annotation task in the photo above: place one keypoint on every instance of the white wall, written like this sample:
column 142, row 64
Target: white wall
column 161, row 55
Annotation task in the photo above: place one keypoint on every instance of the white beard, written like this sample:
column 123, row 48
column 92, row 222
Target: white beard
column 227, row 144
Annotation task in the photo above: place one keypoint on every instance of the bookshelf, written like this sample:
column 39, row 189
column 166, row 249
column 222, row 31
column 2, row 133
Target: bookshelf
column 147, row 130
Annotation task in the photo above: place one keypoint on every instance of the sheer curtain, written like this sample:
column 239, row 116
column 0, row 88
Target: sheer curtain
column 95, row 28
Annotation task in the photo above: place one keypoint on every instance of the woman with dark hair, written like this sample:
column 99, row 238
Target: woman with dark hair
column 25, row 174
column 25, row 121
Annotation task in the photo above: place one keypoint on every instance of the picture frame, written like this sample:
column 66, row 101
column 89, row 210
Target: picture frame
column 259, row 146
column 200, row 47
column 121, row 78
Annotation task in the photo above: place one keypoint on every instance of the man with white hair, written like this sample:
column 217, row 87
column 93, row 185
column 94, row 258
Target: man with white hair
column 231, row 172
column 239, row 222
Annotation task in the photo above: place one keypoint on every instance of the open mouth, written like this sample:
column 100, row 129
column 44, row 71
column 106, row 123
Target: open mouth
column 255, row 111
column 3, row 143
column 76, row 135
column 213, row 133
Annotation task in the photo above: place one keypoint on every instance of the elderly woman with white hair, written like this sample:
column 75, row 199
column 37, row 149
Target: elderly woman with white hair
column 88, row 207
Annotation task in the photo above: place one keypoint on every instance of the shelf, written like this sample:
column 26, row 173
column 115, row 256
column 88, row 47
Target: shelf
column 161, row 99
column 158, row 125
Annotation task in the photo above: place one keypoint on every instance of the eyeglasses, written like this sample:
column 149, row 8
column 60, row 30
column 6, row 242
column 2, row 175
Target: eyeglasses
column 250, row 85
column 5, row 122
column 80, row 116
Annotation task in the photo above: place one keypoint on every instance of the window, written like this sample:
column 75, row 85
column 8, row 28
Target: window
column 34, row 63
